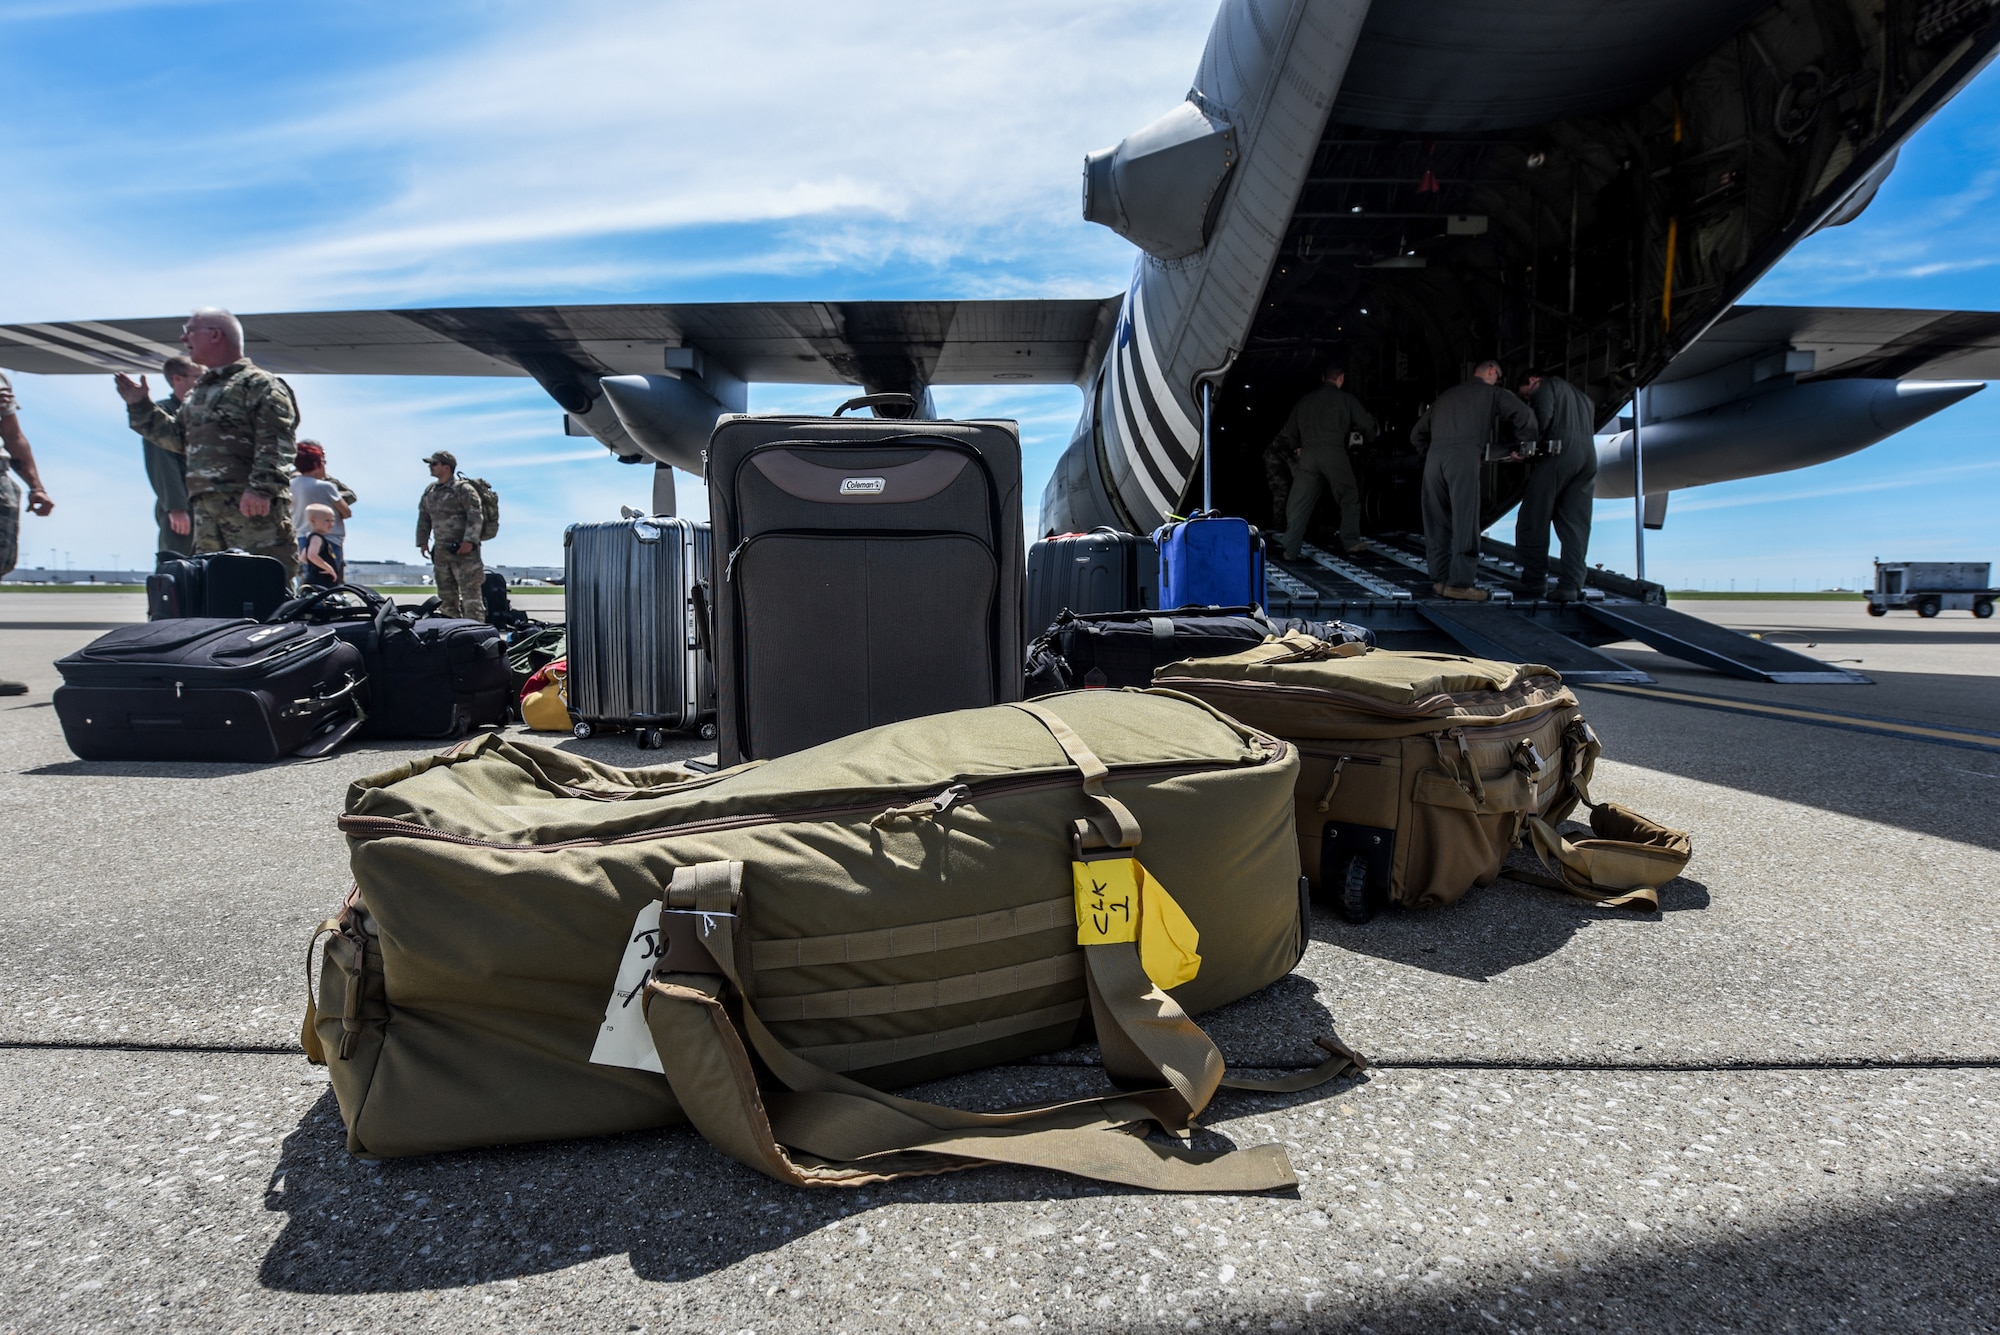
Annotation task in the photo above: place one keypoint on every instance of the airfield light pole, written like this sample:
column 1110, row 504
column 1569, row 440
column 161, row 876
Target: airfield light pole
column 1638, row 486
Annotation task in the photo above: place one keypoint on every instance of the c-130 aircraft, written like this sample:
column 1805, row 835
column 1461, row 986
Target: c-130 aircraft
column 1411, row 187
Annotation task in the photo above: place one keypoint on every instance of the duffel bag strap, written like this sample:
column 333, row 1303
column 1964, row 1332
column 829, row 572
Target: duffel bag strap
column 1114, row 826
column 850, row 1134
column 1624, row 867
column 1143, row 1033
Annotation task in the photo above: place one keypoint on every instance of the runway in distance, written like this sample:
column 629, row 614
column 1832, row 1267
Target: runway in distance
column 1409, row 187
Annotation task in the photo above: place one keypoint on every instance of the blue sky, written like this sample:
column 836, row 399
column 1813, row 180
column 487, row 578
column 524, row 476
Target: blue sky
column 364, row 154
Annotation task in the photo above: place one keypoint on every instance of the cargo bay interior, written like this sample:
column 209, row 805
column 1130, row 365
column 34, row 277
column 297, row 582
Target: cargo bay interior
column 1530, row 207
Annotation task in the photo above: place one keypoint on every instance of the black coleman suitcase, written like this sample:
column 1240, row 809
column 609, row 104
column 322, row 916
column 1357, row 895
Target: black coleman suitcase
column 871, row 571
column 638, row 654
column 427, row 676
column 220, row 584
column 199, row 688
column 1112, row 649
column 1099, row 571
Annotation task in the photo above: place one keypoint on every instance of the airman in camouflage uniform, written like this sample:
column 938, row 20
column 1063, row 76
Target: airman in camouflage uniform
column 237, row 430
column 449, row 518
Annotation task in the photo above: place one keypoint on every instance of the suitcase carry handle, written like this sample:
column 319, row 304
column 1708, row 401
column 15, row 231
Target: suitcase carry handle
column 704, row 633
column 908, row 401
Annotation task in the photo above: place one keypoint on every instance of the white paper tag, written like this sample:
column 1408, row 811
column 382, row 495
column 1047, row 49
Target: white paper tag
column 623, row 1039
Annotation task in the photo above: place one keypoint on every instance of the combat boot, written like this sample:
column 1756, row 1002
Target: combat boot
column 1462, row 593
column 1565, row 593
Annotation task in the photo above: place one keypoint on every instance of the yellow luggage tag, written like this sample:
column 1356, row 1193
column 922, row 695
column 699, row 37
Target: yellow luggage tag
column 1117, row 900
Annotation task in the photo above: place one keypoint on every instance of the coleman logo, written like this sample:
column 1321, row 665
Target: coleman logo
column 862, row 486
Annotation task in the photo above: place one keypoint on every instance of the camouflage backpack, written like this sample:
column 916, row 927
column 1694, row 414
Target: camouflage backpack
column 489, row 504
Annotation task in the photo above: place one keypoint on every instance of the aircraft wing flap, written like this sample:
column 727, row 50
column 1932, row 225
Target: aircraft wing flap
column 1847, row 342
column 1034, row 341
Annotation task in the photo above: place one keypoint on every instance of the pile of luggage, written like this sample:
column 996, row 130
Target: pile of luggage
column 920, row 872
column 233, row 668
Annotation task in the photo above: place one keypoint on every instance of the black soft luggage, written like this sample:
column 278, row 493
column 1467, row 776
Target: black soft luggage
column 1113, row 649
column 871, row 572
column 1103, row 570
column 638, row 655
column 218, row 584
column 200, row 688
column 427, row 676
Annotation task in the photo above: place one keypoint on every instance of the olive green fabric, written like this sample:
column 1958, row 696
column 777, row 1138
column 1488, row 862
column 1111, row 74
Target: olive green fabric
column 498, row 886
column 1453, row 754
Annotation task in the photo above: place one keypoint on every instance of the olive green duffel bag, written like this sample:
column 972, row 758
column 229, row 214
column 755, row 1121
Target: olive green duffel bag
column 540, row 946
column 1419, row 772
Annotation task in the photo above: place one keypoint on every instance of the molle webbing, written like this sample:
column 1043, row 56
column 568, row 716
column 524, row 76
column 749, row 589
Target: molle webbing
column 931, row 995
column 922, row 938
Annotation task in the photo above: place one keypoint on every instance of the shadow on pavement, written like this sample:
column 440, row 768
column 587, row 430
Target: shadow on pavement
column 1495, row 928
column 675, row 1206
column 1921, row 1264
column 1905, row 782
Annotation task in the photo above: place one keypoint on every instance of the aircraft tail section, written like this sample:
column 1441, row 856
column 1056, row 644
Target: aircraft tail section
column 1222, row 173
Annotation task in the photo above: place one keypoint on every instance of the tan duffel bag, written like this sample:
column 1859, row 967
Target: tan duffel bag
column 540, row 946
column 1419, row 772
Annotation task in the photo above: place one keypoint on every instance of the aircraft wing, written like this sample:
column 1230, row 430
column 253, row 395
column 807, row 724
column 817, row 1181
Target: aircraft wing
column 1850, row 342
column 1031, row 341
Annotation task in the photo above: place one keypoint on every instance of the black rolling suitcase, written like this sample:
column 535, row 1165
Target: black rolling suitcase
column 638, row 653
column 427, row 676
column 218, row 584
column 199, row 688
column 1103, row 570
column 871, row 571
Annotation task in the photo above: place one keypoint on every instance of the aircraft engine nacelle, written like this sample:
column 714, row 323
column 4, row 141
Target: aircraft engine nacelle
column 1161, row 187
column 671, row 417
column 1794, row 427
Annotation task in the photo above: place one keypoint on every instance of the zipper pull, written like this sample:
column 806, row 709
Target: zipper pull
column 177, row 690
column 1471, row 770
column 928, row 808
column 1326, row 798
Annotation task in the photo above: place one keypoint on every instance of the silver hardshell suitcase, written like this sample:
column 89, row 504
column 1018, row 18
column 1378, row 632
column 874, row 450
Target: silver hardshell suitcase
column 638, row 650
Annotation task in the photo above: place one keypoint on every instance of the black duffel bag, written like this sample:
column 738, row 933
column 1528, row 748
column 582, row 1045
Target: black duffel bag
column 1112, row 649
column 427, row 676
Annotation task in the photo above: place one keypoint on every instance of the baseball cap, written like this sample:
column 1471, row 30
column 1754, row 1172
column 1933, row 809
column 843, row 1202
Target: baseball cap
column 445, row 457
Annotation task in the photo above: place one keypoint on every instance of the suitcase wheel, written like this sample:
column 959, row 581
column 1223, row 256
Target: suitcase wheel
column 652, row 739
column 708, row 732
column 1353, row 889
column 580, row 729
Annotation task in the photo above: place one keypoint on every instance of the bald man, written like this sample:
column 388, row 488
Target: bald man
column 238, row 431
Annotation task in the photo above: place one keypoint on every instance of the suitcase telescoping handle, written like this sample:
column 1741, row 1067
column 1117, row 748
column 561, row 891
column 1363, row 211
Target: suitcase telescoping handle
column 907, row 402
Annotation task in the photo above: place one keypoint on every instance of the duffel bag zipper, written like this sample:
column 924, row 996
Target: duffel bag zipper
column 1364, row 703
column 1341, row 760
column 388, row 827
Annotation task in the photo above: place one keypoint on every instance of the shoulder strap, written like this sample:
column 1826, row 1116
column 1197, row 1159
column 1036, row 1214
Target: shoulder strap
column 1624, row 867
column 826, row 1129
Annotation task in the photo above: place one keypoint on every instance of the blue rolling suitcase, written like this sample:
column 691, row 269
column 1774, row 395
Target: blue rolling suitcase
column 1210, row 560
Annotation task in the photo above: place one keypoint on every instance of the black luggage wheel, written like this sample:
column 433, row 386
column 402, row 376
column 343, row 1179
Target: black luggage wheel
column 708, row 733
column 1354, row 905
column 1356, row 863
column 581, row 730
column 652, row 739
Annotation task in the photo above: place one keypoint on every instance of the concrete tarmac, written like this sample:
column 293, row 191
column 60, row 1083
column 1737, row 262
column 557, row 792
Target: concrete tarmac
column 1774, row 1105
